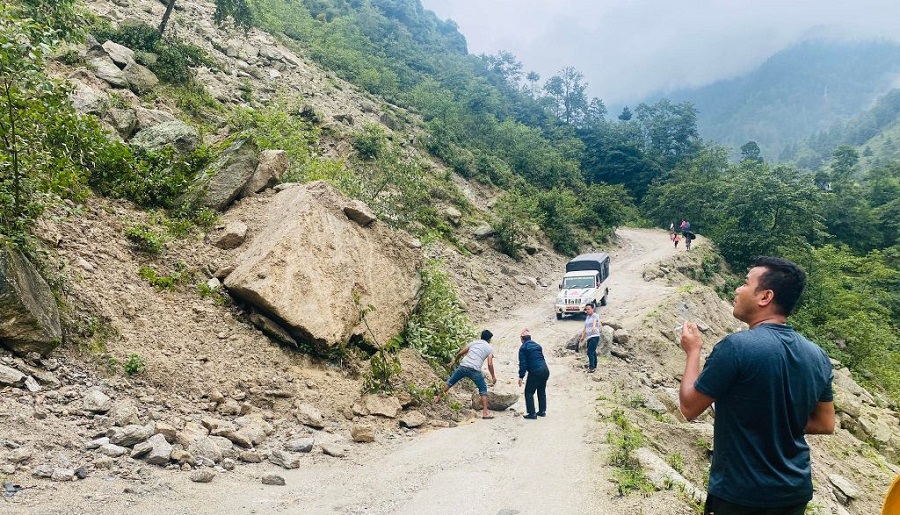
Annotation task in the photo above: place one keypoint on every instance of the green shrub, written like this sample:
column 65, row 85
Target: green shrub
column 134, row 365
column 146, row 239
column 439, row 326
column 370, row 142
column 166, row 282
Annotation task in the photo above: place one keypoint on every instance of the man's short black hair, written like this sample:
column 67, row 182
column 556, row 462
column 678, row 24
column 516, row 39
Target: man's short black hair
column 486, row 335
column 785, row 278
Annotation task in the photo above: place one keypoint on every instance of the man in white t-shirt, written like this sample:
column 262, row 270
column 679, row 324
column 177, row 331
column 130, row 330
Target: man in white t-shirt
column 476, row 353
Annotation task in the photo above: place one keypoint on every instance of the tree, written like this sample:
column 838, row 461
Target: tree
column 237, row 10
column 505, row 65
column 626, row 114
column 843, row 162
column 750, row 152
column 533, row 78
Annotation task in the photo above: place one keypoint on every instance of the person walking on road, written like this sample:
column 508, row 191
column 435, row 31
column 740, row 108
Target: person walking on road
column 771, row 386
column 532, row 363
column 591, row 334
column 473, row 357
column 676, row 238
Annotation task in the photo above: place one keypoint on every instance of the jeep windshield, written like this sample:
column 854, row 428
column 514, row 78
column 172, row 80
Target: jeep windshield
column 570, row 283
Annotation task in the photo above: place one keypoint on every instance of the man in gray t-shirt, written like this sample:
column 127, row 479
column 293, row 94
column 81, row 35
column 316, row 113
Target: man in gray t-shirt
column 473, row 357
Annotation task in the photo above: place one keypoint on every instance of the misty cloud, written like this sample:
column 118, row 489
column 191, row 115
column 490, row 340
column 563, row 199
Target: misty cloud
column 628, row 49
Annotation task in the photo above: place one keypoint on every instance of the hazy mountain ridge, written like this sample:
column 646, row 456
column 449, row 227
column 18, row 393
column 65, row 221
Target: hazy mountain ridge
column 797, row 92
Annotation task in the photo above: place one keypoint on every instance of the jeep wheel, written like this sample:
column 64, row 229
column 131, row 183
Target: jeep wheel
column 559, row 316
column 603, row 300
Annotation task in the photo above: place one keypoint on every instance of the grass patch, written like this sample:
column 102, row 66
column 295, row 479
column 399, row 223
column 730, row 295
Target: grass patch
column 628, row 474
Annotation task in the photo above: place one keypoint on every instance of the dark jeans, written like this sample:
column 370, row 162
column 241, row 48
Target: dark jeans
column 536, row 381
column 716, row 506
column 592, row 351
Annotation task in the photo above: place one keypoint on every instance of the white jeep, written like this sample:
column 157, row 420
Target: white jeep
column 583, row 284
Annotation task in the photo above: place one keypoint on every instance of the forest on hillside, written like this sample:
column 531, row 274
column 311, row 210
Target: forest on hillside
column 806, row 88
column 566, row 166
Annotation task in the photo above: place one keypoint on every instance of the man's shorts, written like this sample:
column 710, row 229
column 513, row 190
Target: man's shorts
column 475, row 375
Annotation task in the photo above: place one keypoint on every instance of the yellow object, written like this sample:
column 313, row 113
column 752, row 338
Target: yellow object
column 892, row 500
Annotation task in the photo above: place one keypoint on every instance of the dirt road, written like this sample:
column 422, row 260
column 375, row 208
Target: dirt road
column 507, row 465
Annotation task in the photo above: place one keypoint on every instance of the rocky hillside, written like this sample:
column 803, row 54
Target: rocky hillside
column 221, row 347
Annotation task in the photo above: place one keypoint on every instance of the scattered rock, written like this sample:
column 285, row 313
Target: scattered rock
column 113, row 451
column 380, row 405
column 124, row 414
column 359, row 213
column 202, row 475
column 43, row 471
column 284, row 459
column 121, row 55
column 95, row 401
column 273, row 479
column 362, row 433
column 412, row 419
column 31, row 385
column 300, row 445
column 845, row 491
column 334, row 449
column 160, row 452
column 130, row 435
column 11, row 377
column 309, row 416
column 62, row 475
column 250, row 457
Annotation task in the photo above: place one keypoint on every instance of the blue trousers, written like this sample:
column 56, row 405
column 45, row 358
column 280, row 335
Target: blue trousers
column 592, row 351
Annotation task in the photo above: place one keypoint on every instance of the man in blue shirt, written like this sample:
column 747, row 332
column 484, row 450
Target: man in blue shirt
column 531, row 361
column 771, row 386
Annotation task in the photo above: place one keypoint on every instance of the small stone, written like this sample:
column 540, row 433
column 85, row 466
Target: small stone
column 112, row 450
column 300, row 445
column 284, row 459
column 217, row 397
column 20, row 455
column 81, row 473
column 32, row 385
column 332, row 449
column 203, row 475
column 104, row 462
column 62, row 475
column 362, row 433
column 273, row 479
column 96, row 401
column 228, row 464
column 186, row 467
column 412, row 419
column 250, row 457
column 44, row 471
column 310, row 416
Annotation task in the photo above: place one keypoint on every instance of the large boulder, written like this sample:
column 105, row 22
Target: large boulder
column 140, row 79
column 105, row 69
column 314, row 270
column 177, row 134
column 225, row 178
column 29, row 318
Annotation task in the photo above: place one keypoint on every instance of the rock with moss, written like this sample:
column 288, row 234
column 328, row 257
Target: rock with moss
column 29, row 318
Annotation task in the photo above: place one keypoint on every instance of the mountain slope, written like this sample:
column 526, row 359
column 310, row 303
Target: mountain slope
column 799, row 91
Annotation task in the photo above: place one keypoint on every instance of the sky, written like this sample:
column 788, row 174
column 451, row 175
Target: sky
column 629, row 49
